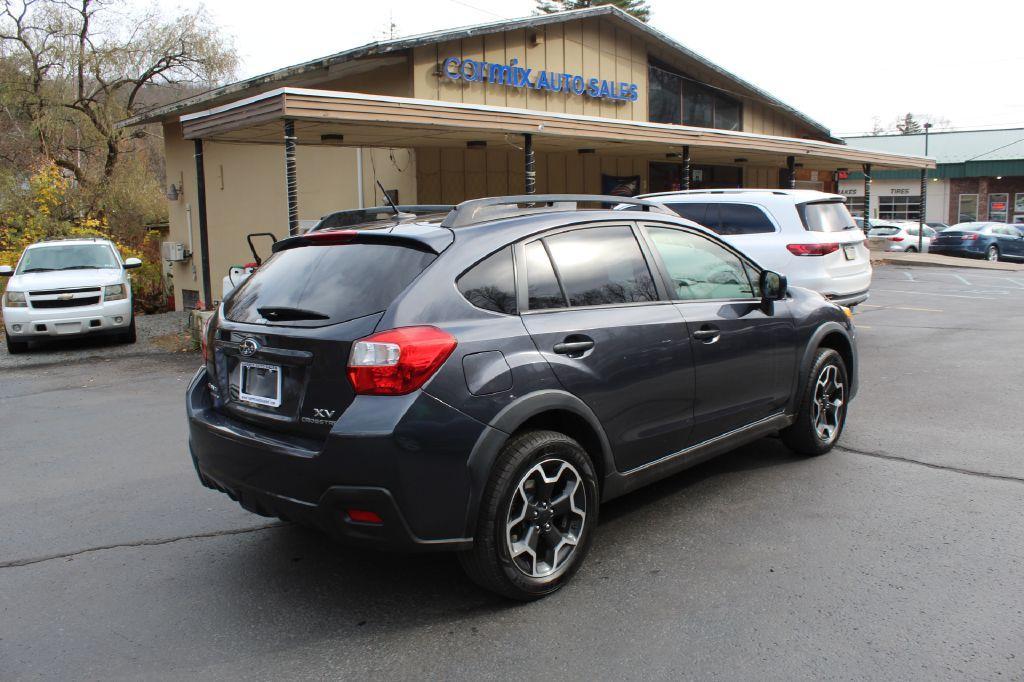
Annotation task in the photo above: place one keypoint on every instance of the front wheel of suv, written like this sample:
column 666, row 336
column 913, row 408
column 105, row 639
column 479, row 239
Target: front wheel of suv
column 537, row 517
column 822, row 408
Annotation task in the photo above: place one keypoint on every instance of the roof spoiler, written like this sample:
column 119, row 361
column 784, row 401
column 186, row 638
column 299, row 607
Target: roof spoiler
column 358, row 216
column 479, row 210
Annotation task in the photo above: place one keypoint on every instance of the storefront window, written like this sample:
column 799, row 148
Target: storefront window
column 855, row 205
column 899, row 208
column 664, row 96
column 698, row 107
column 673, row 98
column 998, row 205
column 968, row 211
column 668, row 177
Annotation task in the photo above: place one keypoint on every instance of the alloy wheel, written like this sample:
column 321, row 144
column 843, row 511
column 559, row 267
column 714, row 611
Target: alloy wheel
column 829, row 398
column 993, row 254
column 546, row 517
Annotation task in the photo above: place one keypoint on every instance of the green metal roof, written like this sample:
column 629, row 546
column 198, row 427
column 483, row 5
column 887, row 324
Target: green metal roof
column 969, row 169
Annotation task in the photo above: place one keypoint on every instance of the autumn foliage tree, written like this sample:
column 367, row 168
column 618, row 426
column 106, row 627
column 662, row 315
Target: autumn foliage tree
column 71, row 70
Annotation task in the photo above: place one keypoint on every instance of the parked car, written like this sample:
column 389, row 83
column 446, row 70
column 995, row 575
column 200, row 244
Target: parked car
column 481, row 381
column 992, row 241
column 938, row 227
column 808, row 236
column 65, row 288
column 901, row 236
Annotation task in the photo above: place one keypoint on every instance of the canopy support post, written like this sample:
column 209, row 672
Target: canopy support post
column 529, row 164
column 687, row 170
column 291, row 181
column 204, row 237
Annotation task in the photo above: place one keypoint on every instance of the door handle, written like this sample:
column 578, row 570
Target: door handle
column 574, row 346
column 708, row 333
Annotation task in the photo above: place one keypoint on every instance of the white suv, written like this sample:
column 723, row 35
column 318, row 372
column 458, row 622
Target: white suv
column 68, row 287
column 806, row 235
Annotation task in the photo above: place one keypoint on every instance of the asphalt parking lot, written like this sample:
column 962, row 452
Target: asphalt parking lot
column 900, row 555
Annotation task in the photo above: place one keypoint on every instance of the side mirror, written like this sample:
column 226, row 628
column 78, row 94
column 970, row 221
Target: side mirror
column 6, row 271
column 131, row 263
column 773, row 286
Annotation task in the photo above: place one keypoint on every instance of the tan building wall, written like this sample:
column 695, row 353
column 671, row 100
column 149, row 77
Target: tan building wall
column 245, row 192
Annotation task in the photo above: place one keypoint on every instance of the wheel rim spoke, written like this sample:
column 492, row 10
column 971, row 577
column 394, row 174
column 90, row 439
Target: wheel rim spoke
column 546, row 517
column 827, row 406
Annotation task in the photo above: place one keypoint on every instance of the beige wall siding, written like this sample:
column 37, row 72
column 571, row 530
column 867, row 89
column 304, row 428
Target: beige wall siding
column 453, row 175
column 593, row 48
column 245, row 192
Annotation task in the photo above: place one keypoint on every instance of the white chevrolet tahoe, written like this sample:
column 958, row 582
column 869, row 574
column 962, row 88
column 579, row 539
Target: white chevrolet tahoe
column 68, row 287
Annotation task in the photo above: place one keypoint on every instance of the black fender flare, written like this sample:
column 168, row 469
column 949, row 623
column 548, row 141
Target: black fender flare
column 810, row 350
column 507, row 421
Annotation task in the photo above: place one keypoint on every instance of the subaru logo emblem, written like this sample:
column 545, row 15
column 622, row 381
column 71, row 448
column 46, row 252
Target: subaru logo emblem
column 248, row 347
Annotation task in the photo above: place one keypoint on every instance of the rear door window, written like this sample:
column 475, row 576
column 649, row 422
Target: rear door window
column 601, row 266
column 742, row 219
column 542, row 288
column 697, row 212
column 313, row 286
column 826, row 216
column 491, row 283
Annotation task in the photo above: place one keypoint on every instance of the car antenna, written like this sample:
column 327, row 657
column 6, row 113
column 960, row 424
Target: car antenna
column 391, row 203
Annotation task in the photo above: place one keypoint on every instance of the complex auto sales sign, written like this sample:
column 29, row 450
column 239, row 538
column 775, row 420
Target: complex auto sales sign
column 514, row 76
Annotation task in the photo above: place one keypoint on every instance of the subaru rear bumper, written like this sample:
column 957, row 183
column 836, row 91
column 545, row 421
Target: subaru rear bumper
column 408, row 465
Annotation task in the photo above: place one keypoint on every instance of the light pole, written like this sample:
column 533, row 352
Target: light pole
column 924, row 194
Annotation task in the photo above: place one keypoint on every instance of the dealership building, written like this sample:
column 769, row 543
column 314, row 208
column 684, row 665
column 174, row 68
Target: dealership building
column 586, row 101
column 979, row 176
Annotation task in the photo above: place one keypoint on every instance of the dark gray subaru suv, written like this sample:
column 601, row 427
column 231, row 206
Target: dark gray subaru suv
column 481, row 381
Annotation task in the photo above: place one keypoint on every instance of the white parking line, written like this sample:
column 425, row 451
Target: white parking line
column 959, row 278
column 928, row 293
column 1013, row 281
column 906, row 273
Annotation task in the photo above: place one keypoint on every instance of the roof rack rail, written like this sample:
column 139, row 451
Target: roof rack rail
column 491, row 208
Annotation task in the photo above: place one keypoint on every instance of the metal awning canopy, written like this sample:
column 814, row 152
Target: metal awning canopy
column 377, row 121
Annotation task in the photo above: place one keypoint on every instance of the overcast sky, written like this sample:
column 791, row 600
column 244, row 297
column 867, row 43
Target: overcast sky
column 841, row 63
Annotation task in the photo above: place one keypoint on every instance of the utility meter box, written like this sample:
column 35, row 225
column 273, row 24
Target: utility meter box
column 172, row 251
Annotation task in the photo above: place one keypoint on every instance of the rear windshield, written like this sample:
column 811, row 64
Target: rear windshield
column 826, row 216
column 313, row 286
column 883, row 231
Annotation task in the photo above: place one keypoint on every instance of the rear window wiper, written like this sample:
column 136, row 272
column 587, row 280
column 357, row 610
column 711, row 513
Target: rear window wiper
column 284, row 314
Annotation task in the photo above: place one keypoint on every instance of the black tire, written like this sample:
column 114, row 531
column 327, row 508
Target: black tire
column 129, row 336
column 15, row 347
column 992, row 254
column 804, row 436
column 490, row 562
column 911, row 249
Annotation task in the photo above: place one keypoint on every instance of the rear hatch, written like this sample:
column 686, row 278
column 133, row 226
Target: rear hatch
column 280, row 344
column 948, row 237
column 828, row 223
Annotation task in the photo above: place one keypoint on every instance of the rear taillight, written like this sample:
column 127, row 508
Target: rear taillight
column 970, row 237
column 895, row 239
column 203, row 343
column 812, row 249
column 398, row 361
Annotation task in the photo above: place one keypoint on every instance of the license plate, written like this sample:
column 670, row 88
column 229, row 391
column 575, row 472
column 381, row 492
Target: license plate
column 850, row 251
column 259, row 384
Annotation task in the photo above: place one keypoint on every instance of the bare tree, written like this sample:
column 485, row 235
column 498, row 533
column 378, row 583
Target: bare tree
column 70, row 70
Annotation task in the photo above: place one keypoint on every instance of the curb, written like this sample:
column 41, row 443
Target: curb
column 958, row 263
